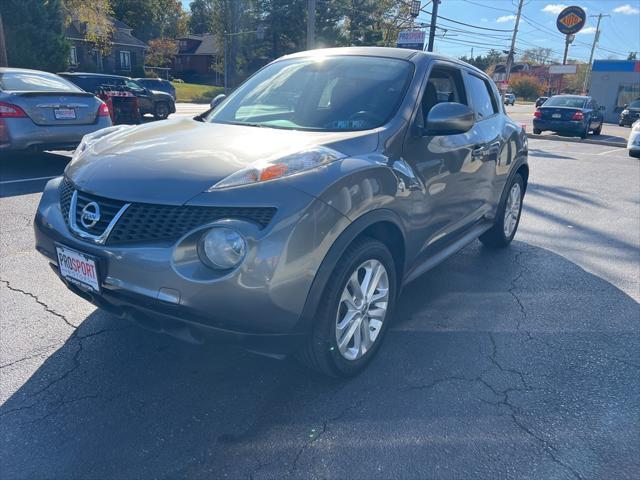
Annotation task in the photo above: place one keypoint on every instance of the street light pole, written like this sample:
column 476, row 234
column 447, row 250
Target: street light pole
column 226, row 67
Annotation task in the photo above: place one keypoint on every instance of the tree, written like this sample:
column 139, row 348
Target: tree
column 152, row 18
column 161, row 52
column 201, row 19
column 632, row 56
column 537, row 55
column 526, row 86
column 487, row 62
column 34, row 33
column 95, row 18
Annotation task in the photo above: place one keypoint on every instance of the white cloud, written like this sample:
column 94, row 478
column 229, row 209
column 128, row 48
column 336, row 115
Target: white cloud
column 554, row 8
column 506, row 18
column 587, row 31
column 627, row 10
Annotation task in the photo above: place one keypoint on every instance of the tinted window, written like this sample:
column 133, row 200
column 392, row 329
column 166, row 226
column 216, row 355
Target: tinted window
column 35, row 82
column 481, row 96
column 343, row 93
column 635, row 104
column 444, row 85
column 559, row 101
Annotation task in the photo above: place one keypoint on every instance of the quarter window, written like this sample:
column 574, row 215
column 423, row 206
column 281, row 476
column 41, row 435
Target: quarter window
column 484, row 103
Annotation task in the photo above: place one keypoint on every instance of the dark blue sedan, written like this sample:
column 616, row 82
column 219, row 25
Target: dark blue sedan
column 570, row 115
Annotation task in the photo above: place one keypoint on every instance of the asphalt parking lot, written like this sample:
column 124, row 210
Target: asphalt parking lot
column 523, row 363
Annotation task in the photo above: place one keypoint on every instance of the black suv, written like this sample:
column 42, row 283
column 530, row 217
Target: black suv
column 630, row 114
column 159, row 104
column 158, row 84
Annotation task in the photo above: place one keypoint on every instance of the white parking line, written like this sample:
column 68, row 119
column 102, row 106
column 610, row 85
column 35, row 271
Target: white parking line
column 22, row 180
column 606, row 152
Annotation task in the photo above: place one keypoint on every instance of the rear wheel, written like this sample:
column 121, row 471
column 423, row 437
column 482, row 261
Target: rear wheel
column 355, row 312
column 508, row 218
column 585, row 133
column 161, row 111
column 537, row 131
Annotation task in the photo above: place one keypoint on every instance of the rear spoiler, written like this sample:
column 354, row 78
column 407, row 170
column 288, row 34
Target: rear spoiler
column 52, row 94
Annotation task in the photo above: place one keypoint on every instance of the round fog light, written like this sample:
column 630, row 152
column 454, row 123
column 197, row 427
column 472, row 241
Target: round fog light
column 222, row 248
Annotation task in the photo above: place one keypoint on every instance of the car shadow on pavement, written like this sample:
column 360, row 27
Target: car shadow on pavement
column 514, row 363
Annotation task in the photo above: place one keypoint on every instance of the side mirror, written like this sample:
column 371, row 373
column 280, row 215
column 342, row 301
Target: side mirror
column 217, row 100
column 449, row 118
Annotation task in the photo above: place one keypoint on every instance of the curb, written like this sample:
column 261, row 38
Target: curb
column 589, row 141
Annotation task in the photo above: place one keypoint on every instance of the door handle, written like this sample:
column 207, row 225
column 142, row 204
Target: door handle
column 478, row 152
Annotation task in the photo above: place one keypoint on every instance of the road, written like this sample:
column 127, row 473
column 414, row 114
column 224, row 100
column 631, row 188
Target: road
column 524, row 114
column 522, row 363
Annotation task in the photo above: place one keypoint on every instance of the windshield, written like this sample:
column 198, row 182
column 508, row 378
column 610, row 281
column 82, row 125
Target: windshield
column 134, row 85
column 573, row 102
column 634, row 104
column 35, row 82
column 344, row 93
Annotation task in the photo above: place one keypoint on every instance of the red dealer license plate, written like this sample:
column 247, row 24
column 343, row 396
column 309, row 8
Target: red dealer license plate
column 78, row 268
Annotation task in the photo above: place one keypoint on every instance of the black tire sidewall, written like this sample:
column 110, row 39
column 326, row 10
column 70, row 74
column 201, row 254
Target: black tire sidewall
column 160, row 106
column 370, row 249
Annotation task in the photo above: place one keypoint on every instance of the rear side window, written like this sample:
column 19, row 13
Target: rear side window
column 484, row 103
column 34, row 82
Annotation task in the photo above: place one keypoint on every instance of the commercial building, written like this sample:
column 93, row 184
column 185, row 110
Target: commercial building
column 614, row 84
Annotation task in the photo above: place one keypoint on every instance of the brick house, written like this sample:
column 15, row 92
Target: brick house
column 125, row 58
column 196, row 54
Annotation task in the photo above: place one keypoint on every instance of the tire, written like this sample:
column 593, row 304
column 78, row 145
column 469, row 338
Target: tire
column 598, row 130
column 537, row 131
column 497, row 237
column 635, row 154
column 585, row 134
column 322, row 352
column 161, row 111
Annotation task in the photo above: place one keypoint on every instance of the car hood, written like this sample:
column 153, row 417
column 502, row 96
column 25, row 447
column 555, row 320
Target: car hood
column 160, row 94
column 172, row 161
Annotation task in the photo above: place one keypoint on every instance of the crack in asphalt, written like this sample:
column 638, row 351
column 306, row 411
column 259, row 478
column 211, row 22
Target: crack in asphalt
column 39, row 302
column 33, row 354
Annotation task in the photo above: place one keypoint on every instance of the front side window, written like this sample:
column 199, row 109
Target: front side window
column 444, row 85
column 482, row 97
column 344, row 93
column 34, row 82
column 125, row 60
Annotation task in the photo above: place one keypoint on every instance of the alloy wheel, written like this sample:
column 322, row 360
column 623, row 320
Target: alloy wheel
column 362, row 309
column 512, row 210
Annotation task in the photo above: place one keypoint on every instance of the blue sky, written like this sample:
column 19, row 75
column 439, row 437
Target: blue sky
column 620, row 33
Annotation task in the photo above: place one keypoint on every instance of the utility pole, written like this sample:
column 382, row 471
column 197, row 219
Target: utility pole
column 596, row 38
column 513, row 47
column 3, row 48
column 432, row 27
column 311, row 24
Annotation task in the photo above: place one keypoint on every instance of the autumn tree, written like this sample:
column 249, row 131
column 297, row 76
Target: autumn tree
column 526, row 86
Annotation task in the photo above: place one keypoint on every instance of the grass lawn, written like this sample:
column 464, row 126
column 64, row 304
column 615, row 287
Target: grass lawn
column 195, row 93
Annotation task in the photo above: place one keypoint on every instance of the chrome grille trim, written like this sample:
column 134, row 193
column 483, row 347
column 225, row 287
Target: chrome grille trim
column 99, row 239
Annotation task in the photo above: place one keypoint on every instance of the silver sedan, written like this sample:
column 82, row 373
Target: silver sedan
column 41, row 111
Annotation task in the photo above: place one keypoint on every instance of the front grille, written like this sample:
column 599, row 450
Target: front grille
column 143, row 222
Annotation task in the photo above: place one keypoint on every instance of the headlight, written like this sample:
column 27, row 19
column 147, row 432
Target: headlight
column 91, row 138
column 280, row 167
column 222, row 248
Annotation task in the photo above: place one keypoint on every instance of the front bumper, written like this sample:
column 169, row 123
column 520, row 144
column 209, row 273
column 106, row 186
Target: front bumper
column 24, row 134
column 559, row 126
column 259, row 305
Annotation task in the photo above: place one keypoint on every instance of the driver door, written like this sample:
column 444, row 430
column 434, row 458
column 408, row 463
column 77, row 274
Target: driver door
column 441, row 162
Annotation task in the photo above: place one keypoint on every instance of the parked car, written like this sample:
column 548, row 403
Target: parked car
column 540, row 101
column 633, row 145
column 630, row 114
column 40, row 110
column 569, row 114
column 154, row 102
column 509, row 99
column 289, row 218
column 158, row 84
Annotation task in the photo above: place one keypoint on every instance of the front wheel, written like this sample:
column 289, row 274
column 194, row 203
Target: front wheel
column 508, row 218
column 598, row 130
column 355, row 311
column 537, row 131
